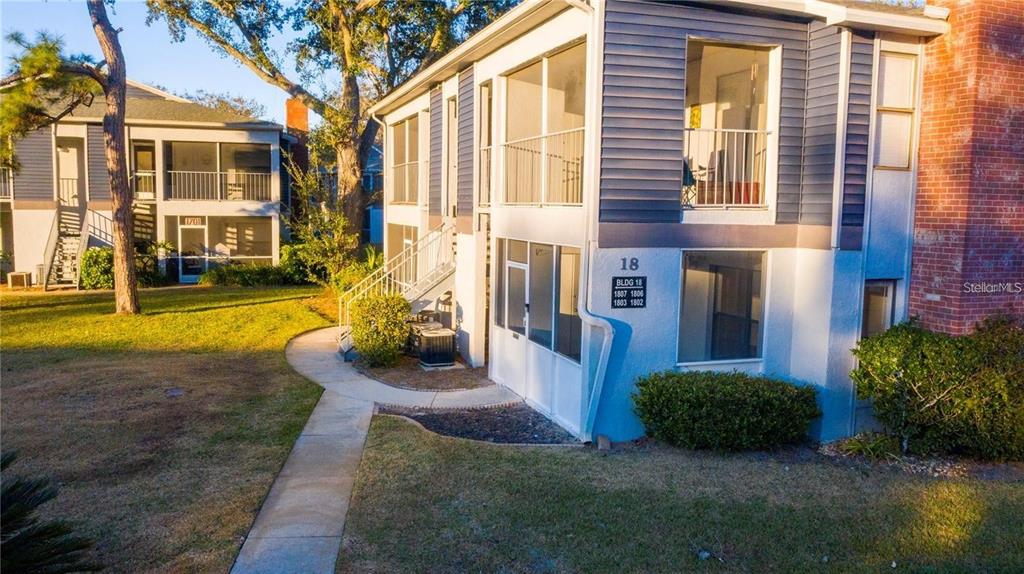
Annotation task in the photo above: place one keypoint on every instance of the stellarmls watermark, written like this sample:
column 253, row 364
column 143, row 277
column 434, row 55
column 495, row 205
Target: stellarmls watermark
column 993, row 288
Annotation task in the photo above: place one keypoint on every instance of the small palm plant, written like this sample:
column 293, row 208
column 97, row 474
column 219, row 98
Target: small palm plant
column 28, row 543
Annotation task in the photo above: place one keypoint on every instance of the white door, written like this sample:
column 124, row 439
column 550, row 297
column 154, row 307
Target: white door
column 517, row 312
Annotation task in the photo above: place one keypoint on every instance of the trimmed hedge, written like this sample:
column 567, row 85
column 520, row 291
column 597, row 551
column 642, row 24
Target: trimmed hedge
column 724, row 411
column 939, row 393
column 379, row 328
column 247, row 275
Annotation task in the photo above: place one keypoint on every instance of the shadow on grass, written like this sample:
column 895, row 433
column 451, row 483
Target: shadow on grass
column 163, row 457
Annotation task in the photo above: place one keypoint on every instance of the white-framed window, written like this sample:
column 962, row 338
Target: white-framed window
column 544, row 125
column 894, row 110
column 484, row 143
column 536, row 294
column 879, row 306
column 405, row 146
column 721, row 311
column 726, row 135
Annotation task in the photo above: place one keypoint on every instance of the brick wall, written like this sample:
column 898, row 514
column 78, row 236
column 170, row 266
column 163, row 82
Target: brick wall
column 969, row 213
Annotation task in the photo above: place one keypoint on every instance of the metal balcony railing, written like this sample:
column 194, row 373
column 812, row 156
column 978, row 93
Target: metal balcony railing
column 219, row 186
column 545, row 169
column 6, row 183
column 144, row 185
column 405, row 179
column 724, row 167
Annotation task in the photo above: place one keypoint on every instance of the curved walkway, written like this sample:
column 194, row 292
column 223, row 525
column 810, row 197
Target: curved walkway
column 300, row 525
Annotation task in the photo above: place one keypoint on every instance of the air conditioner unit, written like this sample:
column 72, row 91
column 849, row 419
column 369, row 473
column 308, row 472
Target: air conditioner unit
column 20, row 279
column 437, row 348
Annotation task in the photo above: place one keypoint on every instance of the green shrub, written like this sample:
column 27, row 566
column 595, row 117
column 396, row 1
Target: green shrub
column 379, row 328
column 872, row 445
column 246, row 275
column 948, row 394
column 292, row 264
column 30, row 542
column 97, row 268
column 724, row 411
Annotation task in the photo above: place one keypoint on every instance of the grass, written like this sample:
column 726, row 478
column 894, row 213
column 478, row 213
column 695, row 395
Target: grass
column 432, row 504
column 162, row 482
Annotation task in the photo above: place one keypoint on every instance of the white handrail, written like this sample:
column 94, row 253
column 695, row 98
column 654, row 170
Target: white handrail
column 724, row 167
column 415, row 268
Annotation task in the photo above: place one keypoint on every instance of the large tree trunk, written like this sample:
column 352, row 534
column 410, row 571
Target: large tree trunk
column 350, row 168
column 126, row 293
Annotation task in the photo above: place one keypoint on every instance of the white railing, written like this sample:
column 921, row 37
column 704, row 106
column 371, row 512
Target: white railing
column 217, row 186
column 545, row 169
column 6, row 183
column 405, row 184
column 67, row 188
column 724, row 167
column 410, row 273
column 144, row 185
column 485, row 176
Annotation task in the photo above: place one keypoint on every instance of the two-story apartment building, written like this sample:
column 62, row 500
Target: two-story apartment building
column 206, row 181
column 636, row 185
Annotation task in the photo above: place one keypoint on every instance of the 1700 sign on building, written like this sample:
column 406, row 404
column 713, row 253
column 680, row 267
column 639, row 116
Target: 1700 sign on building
column 629, row 292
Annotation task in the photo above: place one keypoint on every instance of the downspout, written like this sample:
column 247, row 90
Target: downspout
column 590, row 223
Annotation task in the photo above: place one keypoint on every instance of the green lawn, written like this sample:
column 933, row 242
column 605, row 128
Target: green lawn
column 425, row 503
column 161, row 482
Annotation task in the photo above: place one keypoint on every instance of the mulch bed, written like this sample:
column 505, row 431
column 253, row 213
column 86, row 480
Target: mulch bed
column 409, row 375
column 515, row 424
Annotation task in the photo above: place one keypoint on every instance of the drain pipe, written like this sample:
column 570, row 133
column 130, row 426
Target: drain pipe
column 596, row 43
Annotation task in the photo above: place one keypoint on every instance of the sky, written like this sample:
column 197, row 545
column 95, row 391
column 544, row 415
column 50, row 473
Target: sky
column 150, row 55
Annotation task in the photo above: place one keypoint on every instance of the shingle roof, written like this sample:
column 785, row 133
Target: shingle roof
column 881, row 6
column 166, row 110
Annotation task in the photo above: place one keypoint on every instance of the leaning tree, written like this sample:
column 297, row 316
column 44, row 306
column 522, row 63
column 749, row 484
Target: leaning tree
column 364, row 48
column 45, row 86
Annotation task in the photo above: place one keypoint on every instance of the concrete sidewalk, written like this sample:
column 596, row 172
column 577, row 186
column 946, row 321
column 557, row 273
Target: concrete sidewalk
column 300, row 525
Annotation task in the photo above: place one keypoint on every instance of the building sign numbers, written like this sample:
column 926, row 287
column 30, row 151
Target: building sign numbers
column 629, row 292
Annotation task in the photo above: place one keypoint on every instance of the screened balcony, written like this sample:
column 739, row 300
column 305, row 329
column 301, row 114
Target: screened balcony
column 543, row 149
column 218, row 171
column 405, row 180
column 726, row 136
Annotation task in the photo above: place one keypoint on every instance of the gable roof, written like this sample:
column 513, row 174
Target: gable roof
column 147, row 105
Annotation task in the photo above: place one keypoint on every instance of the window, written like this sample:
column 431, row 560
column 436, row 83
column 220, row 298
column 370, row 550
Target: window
column 878, row 307
column 405, row 165
column 542, row 277
column 543, row 150
column 245, row 158
column 568, row 326
column 722, row 305
column 726, row 136
column 536, row 292
column 894, row 111
column 486, row 129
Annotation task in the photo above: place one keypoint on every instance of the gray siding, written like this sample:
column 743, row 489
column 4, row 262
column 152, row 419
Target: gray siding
column 467, row 144
column 34, row 181
column 134, row 92
column 820, row 125
column 96, row 164
column 434, row 175
column 644, row 100
column 858, row 119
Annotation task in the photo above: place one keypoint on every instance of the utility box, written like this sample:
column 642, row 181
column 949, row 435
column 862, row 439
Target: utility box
column 19, row 279
column 437, row 348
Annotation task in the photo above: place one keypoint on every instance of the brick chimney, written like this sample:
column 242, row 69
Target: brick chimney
column 968, row 254
column 296, row 116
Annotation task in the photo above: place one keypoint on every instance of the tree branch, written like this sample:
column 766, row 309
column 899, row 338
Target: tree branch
column 92, row 72
column 272, row 75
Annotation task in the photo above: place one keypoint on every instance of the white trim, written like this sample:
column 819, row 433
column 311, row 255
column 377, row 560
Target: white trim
column 718, row 362
column 846, row 40
column 247, row 126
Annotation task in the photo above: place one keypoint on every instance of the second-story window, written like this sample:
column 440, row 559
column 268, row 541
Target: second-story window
column 726, row 137
column 405, row 167
column 897, row 78
column 544, row 122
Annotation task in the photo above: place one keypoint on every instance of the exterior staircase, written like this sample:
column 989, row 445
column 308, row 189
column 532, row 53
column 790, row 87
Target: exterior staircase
column 70, row 236
column 413, row 273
